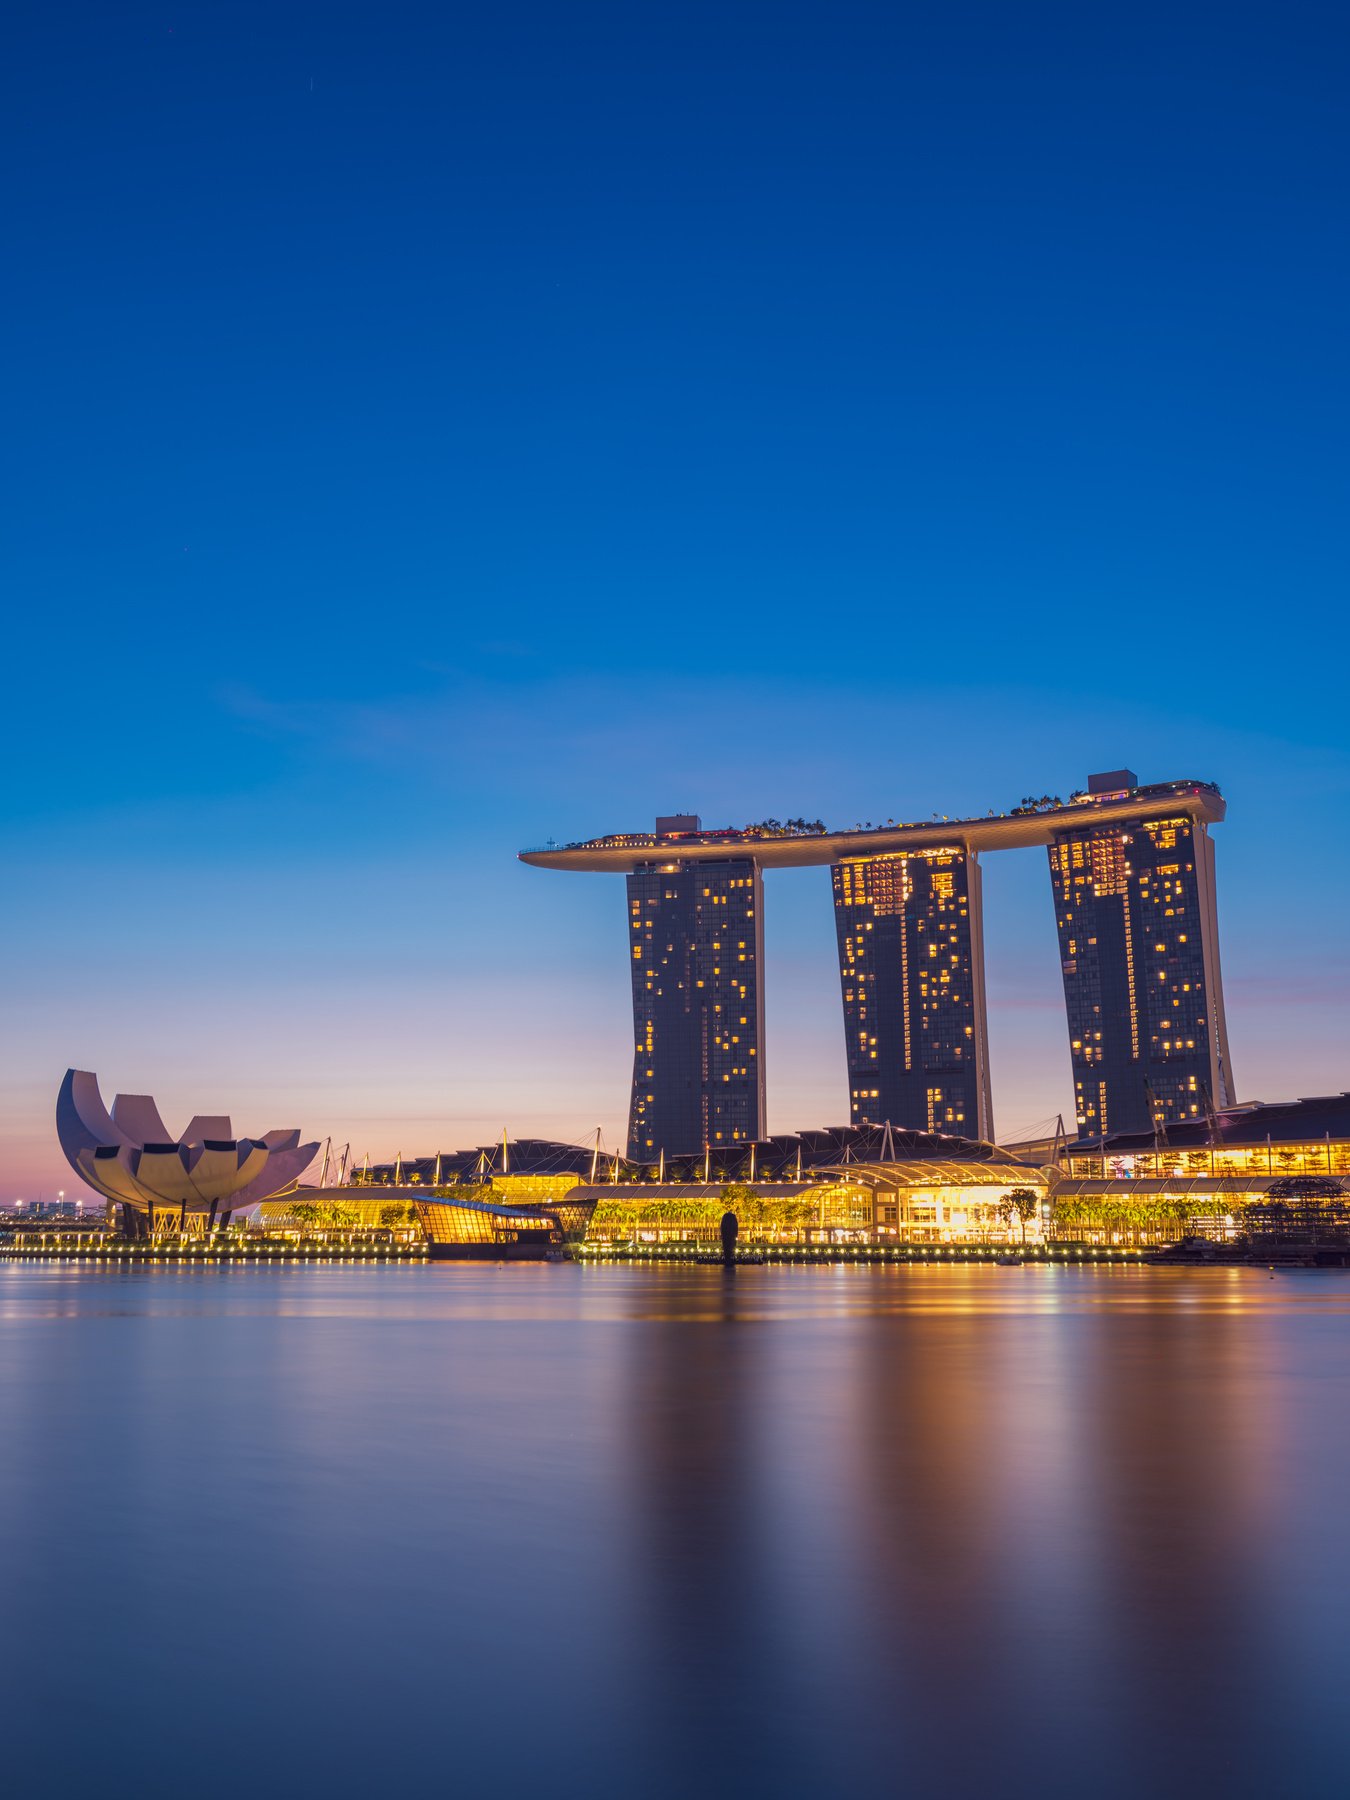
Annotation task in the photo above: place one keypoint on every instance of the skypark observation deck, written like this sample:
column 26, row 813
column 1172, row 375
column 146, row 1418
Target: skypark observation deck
column 1132, row 872
column 622, row 852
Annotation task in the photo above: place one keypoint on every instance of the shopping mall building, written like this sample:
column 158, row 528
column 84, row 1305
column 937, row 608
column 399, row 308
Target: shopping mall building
column 873, row 1186
column 853, row 1185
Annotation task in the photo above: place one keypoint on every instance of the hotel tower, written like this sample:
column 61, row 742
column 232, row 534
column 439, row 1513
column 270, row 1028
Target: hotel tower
column 911, row 966
column 696, row 947
column 1139, row 950
column 1132, row 869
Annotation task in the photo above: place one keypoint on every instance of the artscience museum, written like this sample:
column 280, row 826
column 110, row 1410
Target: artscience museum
column 155, row 1182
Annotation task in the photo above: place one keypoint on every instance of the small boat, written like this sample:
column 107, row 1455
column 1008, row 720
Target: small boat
column 1008, row 1260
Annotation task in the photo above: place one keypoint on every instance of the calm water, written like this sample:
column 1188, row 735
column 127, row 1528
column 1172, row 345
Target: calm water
column 556, row 1531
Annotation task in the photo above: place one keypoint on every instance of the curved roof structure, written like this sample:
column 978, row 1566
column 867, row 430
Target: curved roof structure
column 1181, row 1186
column 935, row 1172
column 787, row 1157
column 447, row 1220
column 623, row 851
column 128, row 1154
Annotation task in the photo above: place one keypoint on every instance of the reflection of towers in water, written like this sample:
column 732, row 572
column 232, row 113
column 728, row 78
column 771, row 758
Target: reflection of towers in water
column 924, row 1407
column 692, row 1428
column 711, row 1574
column 1062, row 1520
column 911, row 965
column 1181, row 1458
column 936, row 1523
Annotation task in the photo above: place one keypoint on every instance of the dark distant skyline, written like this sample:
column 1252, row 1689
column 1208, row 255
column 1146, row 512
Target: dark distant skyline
column 432, row 431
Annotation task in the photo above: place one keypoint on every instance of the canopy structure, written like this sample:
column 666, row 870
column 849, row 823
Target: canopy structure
column 1178, row 1186
column 935, row 1172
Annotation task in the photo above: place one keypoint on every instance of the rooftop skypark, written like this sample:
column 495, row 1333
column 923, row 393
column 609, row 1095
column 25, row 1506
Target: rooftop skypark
column 801, row 844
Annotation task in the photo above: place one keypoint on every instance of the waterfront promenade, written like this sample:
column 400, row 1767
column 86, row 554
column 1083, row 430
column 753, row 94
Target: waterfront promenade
column 102, row 1247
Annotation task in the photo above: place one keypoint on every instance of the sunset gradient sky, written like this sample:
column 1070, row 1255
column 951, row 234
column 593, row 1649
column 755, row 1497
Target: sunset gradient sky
column 431, row 432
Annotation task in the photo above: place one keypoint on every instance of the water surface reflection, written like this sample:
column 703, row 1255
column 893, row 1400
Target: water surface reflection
column 638, row 1531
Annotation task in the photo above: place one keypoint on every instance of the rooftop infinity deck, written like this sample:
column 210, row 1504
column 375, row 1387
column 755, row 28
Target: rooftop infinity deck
column 997, row 831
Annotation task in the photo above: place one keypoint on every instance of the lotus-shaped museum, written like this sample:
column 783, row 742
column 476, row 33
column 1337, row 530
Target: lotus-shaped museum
column 159, row 1182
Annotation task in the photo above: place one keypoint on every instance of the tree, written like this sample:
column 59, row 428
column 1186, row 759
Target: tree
column 785, row 828
column 696, row 1216
column 1020, row 1204
column 466, row 1190
column 735, row 1192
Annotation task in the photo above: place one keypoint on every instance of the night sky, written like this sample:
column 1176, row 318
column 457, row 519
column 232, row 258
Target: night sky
column 434, row 429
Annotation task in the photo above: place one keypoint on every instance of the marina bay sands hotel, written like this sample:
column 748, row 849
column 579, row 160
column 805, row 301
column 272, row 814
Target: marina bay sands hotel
column 1132, row 873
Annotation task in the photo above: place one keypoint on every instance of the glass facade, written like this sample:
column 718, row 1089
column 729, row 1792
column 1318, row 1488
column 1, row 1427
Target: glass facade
column 1138, row 943
column 696, row 942
column 335, row 1211
column 885, row 1205
column 911, row 968
column 1227, row 1178
column 1319, row 1156
column 464, row 1222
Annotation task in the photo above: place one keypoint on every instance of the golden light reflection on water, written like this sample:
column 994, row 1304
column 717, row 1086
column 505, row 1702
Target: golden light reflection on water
column 803, row 1531
column 673, row 1294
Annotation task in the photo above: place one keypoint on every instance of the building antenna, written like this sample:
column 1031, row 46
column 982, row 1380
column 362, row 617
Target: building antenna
column 753, row 1147
column 342, row 1172
column 707, row 1162
column 1159, row 1123
column 595, row 1157
column 398, row 1168
column 799, row 1159
column 436, row 1172
column 661, row 1165
column 506, row 1154
column 1211, row 1117
column 323, row 1173
column 1060, row 1141
column 887, row 1143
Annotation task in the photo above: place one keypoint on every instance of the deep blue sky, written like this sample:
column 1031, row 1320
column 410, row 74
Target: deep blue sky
column 432, row 430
